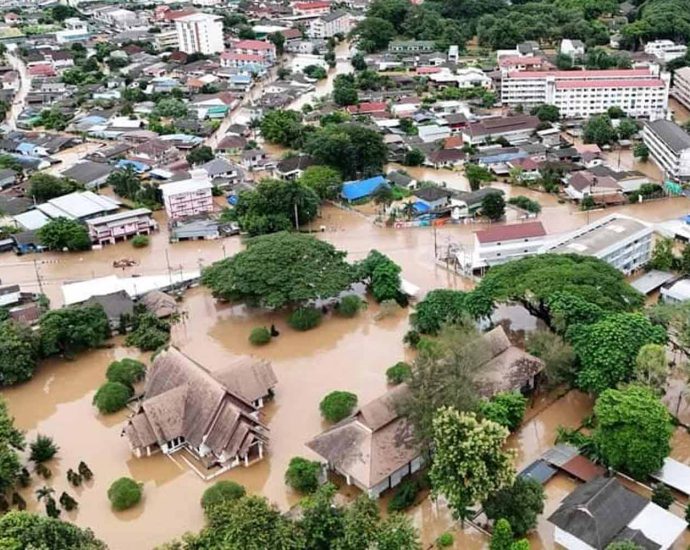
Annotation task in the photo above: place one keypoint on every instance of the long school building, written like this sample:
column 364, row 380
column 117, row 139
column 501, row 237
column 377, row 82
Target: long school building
column 580, row 94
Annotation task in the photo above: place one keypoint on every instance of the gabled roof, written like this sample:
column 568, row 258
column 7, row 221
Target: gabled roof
column 186, row 399
column 510, row 232
column 372, row 443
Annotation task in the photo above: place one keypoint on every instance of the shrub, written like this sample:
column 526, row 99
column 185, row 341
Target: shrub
column 445, row 540
column 221, row 492
column 662, row 496
column 260, row 336
column 126, row 371
column 305, row 318
column 404, row 496
column 111, row 397
column 124, row 493
column 398, row 373
column 303, row 475
column 337, row 405
column 349, row 305
column 505, row 408
column 42, row 449
column 140, row 241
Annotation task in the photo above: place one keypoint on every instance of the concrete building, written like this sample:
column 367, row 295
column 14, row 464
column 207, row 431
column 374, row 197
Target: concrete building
column 120, row 226
column 623, row 242
column 580, row 94
column 681, row 86
column 330, row 24
column 200, row 33
column 669, row 148
column 665, row 50
column 504, row 243
column 165, row 39
column 515, row 129
column 411, row 46
column 572, row 48
column 266, row 50
column 75, row 30
column 312, row 9
column 119, row 17
column 188, row 197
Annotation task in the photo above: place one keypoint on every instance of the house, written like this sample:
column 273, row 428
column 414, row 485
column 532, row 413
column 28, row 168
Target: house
column 90, row 174
column 374, row 449
column 220, row 168
column 432, row 132
column 585, row 184
column 8, row 177
column 159, row 303
column 604, row 511
column 400, row 179
column 572, row 48
column 256, row 159
column 264, row 49
column 232, row 145
column 411, row 46
column 210, row 411
column 431, row 198
column 121, row 226
column 445, row 158
column 468, row 203
column 292, row 168
column 360, row 189
column 368, row 108
column 188, row 197
column 115, row 304
column 526, row 169
column 515, row 129
column 198, row 228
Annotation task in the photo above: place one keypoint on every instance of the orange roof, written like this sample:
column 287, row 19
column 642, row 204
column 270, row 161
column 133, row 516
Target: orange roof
column 453, row 142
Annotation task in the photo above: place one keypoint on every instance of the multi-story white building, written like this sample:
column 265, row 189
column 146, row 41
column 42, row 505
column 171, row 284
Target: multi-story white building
column 623, row 242
column 681, row 86
column 669, row 147
column 314, row 8
column 120, row 226
column 200, row 33
column 165, row 39
column 188, row 197
column 639, row 92
column 665, row 50
column 327, row 26
column 119, row 17
column 504, row 243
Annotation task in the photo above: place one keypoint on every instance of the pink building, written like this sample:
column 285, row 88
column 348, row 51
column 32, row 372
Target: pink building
column 188, row 197
column 311, row 8
column 120, row 226
column 241, row 60
column 266, row 50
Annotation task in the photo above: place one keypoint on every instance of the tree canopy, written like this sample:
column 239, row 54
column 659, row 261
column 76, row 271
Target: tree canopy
column 44, row 187
column 270, row 206
column 283, row 127
column 29, row 530
column 72, row 329
column 633, row 430
column 11, row 441
column 18, row 353
column 61, row 233
column 280, row 270
column 326, row 181
column 519, row 503
column 469, row 461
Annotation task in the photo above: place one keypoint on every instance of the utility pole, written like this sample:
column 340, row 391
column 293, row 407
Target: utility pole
column 296, row 218
column 38, row 277
column 167, row 261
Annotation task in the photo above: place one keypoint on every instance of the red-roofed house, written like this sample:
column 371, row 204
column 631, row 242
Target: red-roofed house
column 503, row 243
column 528, row 169
column 242, row 60
column 367, row 108
column 311, row 8
column 524, row 63
column 266, row 50
column 42, row 69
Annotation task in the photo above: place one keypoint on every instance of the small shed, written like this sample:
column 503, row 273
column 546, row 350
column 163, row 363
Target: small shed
column 539, row 470
column 359, row 189
column 582, row 468
column 651, row 281
column 674, row 474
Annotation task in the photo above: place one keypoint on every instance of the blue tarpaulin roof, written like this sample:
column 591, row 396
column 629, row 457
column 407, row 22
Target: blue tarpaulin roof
column 354, row 190
column 135, row 164
column 421, row 207
column 232, row 199
column 539, row 470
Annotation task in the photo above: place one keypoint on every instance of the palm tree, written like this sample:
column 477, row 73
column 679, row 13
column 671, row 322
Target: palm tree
column 44, row 492
column 408, row 210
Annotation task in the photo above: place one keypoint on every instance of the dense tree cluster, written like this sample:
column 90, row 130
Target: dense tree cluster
column 43, row 187
column 69, row 330
column 64, row 233
column 29, row 530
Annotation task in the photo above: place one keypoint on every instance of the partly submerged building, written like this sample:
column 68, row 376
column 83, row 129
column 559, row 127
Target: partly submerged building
column 212, row 412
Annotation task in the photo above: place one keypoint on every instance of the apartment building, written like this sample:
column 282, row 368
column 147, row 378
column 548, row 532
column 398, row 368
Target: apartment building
column 247, row 61
column 580, row 94
column 200, row 33
column 623, row 242
column 665, row 50
column 120, row 226
column 311, row 8
column 327, row 26
column 681, row 86
column 669, row 148
column 188, row 197
column 165, row 39
column 411, row 46
column 266, row 50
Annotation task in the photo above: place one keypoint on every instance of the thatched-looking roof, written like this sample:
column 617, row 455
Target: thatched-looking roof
column 209, row 406
column 159, row 303
column 372, row 443
column 509, row 368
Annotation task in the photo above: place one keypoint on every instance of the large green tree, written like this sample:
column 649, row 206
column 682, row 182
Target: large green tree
column 443, row 306
column 599, row 130
column 469, row 461
column 29, row 530
column 326, row 181
column 283, row 127
column 281, row 270
column 271, row 206
column 374, row 34
column 61, row 233
column 125, row 183
column 520, row 504
column 18, row 353
column 633, row 430
column 608, row 348
column 11, row 441
column 353, row 149
column 533, row 281
column 477, row 174
column 44, row 187
column 72, row 329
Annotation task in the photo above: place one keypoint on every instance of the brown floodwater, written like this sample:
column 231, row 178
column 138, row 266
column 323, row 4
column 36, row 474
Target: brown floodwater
column 347, row 354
